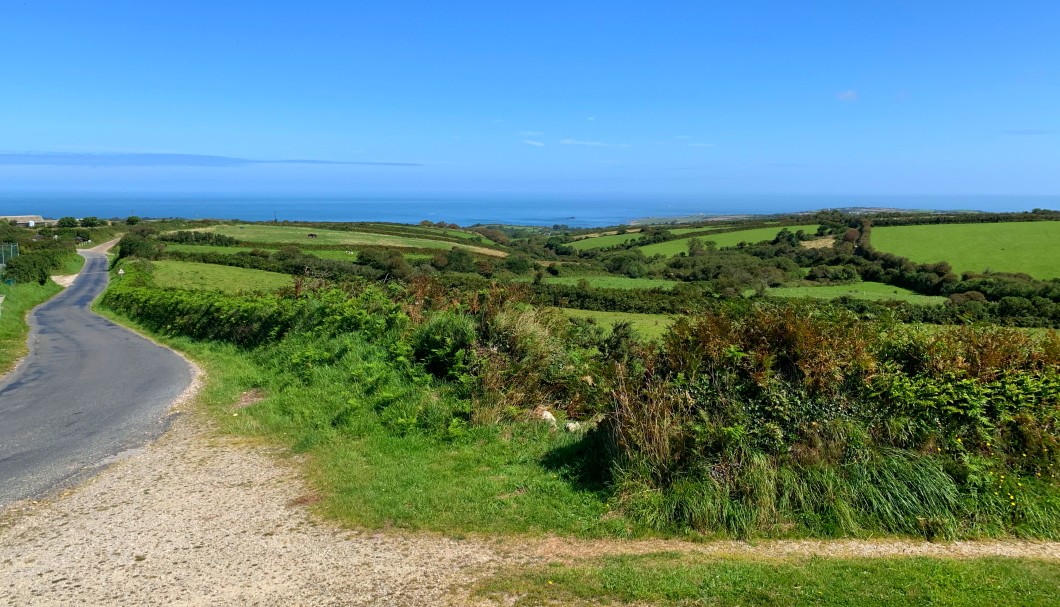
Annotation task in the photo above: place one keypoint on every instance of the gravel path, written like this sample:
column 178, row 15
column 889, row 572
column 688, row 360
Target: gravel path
column 198, row 518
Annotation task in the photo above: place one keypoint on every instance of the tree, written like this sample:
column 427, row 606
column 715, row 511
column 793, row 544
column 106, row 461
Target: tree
column 91, row 222
column 67, row 222
column 132, row 220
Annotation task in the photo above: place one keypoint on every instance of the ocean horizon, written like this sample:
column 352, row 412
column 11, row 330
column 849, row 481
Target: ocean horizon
column 576, row 210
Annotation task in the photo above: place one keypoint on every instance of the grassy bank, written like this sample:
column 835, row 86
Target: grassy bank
column 372, row 470
column 18, row 300
column 670, row 579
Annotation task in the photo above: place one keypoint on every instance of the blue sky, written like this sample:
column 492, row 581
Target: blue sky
column 634, row 97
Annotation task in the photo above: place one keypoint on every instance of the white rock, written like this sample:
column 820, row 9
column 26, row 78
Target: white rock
column 546, row 416
column 572, row 426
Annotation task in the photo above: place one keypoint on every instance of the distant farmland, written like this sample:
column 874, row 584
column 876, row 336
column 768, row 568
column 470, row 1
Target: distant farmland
column 860, row 290
column 254, row 233
column 725, row 239
column 1029, row 247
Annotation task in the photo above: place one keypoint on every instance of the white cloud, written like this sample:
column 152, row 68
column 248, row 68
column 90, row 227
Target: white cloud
column 849, row 95
column 534, row 143
column 598, row 144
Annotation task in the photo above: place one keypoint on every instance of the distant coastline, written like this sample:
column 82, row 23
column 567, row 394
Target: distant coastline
column 575, row 210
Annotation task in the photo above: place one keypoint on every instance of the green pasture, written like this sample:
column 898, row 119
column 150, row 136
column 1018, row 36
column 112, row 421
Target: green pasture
column 648, row 325
column 858, row 290
column 343, row 255
column 297, row 235
column 608, row 282
column 1030, row 247
column 599, row 242
column 610, row 240
column 210, row 277
column 725, row 239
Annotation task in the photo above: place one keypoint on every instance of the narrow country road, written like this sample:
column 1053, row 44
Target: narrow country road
column 88, row 390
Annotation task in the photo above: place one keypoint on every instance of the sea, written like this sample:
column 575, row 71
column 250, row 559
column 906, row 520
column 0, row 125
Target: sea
column 574, row 210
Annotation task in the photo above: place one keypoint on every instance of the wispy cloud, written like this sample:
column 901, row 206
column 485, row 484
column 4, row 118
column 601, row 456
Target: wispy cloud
column 157, row 160
column 1029, row 132
column 849, row 95
column 598, row 144
column 538, row 144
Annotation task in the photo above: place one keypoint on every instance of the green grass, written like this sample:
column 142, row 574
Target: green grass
column 858, row 290
column 609, row 240
column 648, row 325
column 18, row 300
column 209, row 277
column 72, row 264
column 726, row 239
column 298, row 236
column 670, row 579
column 608, row 282
column 1029, row 247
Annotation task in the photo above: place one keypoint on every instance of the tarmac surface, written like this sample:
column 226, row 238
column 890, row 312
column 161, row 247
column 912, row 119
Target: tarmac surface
column 88, row 391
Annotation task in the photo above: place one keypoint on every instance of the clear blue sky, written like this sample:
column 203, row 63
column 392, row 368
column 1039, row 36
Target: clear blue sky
column 850, row 97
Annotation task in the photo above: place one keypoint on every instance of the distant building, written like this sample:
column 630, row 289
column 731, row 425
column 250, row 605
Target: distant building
column 28, row 221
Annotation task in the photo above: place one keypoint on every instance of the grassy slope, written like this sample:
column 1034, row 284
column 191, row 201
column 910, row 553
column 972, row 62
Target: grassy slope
column 648, row 325
column 188, row 275
column 859, row 290
column 13, row 328
column 667, row 579
column 1032, row 247
column 296, row 235
column 726, row 239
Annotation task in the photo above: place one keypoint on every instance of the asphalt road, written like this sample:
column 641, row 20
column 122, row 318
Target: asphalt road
column 88, row 390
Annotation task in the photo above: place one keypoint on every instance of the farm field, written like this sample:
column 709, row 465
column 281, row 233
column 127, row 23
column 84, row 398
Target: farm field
column 299, row 235
column 610, row 240
column 859, row 290
column 725, row 239
column 599, row 242
column 209, row 277
column 648, row 325
column 608, row 282
column 321, row 253
column 1029, row 247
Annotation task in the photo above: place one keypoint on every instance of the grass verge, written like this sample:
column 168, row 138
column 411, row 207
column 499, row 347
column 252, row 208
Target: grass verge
column 671, row 579
column 18, row 300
